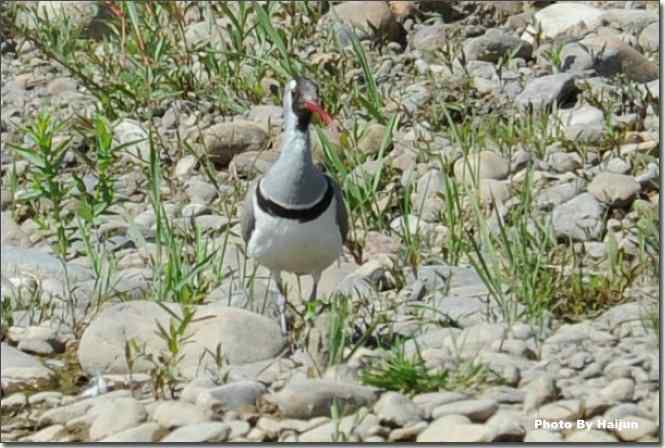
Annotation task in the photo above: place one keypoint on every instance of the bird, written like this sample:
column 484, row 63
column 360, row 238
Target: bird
column 294, row 218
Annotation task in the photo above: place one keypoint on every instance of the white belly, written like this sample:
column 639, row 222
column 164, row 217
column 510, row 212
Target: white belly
column 300, row 247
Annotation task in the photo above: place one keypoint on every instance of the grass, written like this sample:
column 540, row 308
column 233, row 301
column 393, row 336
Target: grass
column 140, row 66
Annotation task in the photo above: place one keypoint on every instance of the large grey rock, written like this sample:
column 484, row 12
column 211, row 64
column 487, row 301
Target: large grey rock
column 579, row 219
column 313, row 398
column 495, row 44
column 245, row 337
column 547, row 90
column 20, row 371
column 225, row 140
column 616, row 190
column 558, row 194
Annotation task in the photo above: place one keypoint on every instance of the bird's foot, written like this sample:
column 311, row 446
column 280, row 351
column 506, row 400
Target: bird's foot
column 281, row 305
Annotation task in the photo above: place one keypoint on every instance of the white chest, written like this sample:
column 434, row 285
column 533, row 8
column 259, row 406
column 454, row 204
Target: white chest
column 288, row 245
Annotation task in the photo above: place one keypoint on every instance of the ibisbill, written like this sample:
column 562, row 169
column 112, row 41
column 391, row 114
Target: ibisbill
column 294, row 218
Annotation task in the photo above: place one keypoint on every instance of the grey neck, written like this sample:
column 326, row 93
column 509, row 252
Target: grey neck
column 293, row 180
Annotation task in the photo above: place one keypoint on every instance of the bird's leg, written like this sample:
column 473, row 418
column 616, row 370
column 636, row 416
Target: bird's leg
column 316, row 277
column 281, row 302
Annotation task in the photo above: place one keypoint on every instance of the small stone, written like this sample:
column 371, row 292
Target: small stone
column 408, row 433
column 547, row 90
column 617, row 190
column 225, row 140
column 579, row 219
column 482, row 165
column 396, row 409
column 539, row 391
column 231, row 396
column 371, row 140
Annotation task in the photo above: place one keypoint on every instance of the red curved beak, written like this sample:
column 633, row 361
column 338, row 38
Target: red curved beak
column 317, row 109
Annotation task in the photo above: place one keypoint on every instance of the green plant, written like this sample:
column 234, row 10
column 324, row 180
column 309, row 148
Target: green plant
column 404, row 374
column 46, row 158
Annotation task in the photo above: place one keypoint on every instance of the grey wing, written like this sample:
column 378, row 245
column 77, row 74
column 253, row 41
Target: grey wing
column 341, row 214
column 247, row 213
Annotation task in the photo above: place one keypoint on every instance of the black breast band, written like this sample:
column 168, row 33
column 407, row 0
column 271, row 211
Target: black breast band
column 297, row 214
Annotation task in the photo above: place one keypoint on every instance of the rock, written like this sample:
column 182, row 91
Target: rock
column 431, row 37
column 245, row 337
column 397, row 410
column 617, row 190
column 492, row 191
column 561, row 17
column 430, row 401
column 224, row 140
column 625, row 59
column 36, row 347
column 79, row 14
column 452, row 428
column 19, row 261
column 559, row 194
column 372, row 139
column 562, row 410
column 49, row 434
column 482, row 165
column 11, row 233
column 579, row 219
column 563, row 162
column 116, row 416
column 634, row 428
column 211, row 432
column 349, row 428
column 407, row 433
column 131, row 131
column 145, row 433
column 542, row 436
column 232, row 396
column 266, row 115
column 200, row 191
column 539, row 391
column 249, row 164
column 475, row 410
column 172, row 414
column 508, row 426
column 547, row 90
column 495, row 44
column 21, row 371
column 313, row 398
column 590, row 436
column 649, row 37
column 415, row 96
column 359, row 14
column 621, row 389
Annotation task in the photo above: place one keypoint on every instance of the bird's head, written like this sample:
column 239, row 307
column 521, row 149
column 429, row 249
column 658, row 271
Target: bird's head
column 301, row 99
